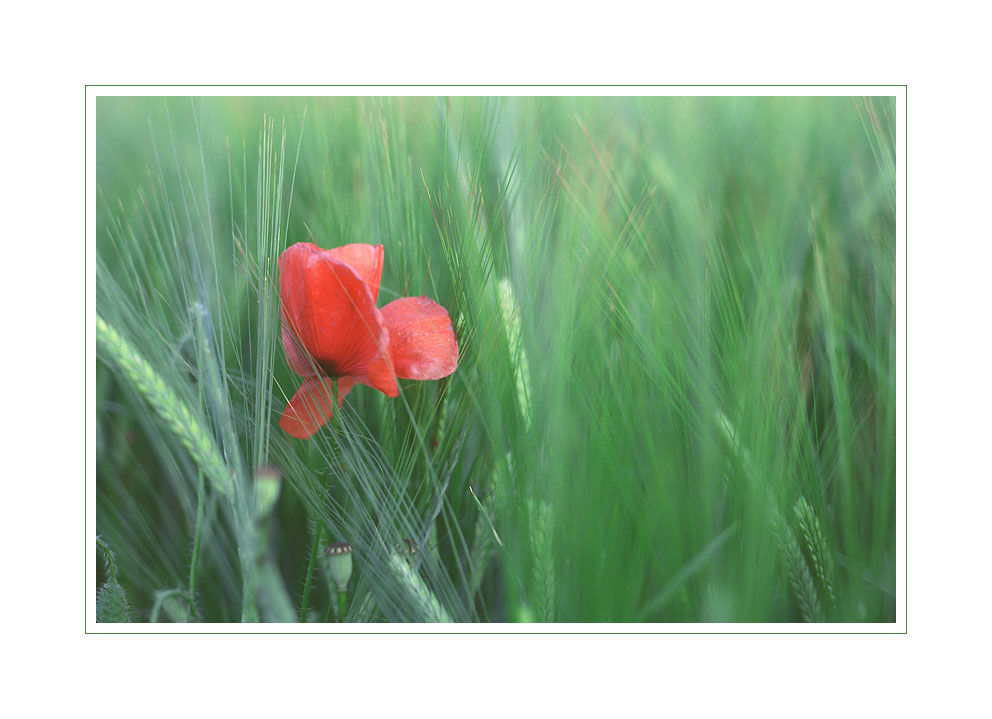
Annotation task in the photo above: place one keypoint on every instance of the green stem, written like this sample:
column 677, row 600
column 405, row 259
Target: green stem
column 213, row 384
column 197, row 535
column 336, row 446
column 305, row 602
column 342, row 604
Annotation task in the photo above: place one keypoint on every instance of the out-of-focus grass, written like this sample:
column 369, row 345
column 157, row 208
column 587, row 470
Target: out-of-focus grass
column 676, row 393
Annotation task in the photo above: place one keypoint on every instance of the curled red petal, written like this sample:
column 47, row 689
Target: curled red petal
column 364, row 259
column 381, row 373
column 421, row 339
column 329, row 313
column 310, row 407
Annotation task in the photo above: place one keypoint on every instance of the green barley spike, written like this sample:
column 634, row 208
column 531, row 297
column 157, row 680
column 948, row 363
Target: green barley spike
column 167, row 404
column 798, row 575
column 543, row 570
column 419, row 594
column 511, row 324
column 816, row 546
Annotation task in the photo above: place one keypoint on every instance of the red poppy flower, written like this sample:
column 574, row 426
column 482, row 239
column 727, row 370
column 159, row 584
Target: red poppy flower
column 331, row 328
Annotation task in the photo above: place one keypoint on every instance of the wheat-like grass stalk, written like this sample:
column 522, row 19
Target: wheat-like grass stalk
column 798, row 575
column 417, row 591
column 171, row 408
column 816, row 547
column 542, row 565
column 510, row 314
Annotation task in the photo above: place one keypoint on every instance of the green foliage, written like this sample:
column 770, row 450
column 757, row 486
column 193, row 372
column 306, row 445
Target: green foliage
column 675, row 316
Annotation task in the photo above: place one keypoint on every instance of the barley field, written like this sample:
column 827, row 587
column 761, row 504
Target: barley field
column 653, row 378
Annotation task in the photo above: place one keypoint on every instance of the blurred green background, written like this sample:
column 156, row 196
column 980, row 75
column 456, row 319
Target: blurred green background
column 675, row 399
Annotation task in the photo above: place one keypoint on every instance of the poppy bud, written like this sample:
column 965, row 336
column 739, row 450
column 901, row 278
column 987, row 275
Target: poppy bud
column 339, row 564
column 111, row 603
column 267, row 489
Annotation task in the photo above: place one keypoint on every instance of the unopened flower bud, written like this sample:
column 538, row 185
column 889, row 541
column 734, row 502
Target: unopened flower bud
column 111, row 603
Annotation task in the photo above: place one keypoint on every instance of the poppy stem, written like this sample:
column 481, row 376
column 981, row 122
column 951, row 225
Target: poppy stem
column 319, row 530
column 335, row 407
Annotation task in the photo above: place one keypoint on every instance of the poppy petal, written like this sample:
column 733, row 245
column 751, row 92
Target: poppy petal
column 310, row 407
column 295, row 354
column 421, row 339
column 381, row 373
column 292, row 264
column 366, row 260
column 329, row 308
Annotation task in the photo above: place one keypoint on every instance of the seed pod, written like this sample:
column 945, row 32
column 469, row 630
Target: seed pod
column 339, row 564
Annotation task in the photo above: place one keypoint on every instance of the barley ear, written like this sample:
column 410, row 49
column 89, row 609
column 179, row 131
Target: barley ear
column 815, row 543
column 418, row 593
column 798, row 575
column 169, row 407
column 542, row 567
